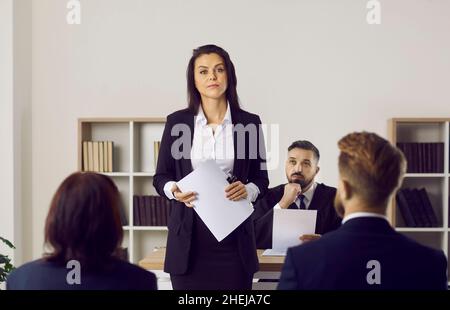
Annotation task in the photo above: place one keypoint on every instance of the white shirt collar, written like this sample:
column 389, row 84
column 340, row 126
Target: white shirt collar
column 363, row 214
column 201, row 118
column 310, row 192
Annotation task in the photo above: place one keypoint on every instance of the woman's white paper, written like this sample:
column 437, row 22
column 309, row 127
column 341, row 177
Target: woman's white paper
column 219, row 214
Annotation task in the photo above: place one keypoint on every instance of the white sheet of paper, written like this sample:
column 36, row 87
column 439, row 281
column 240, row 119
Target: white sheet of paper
column 288, row 226
column 219, row 214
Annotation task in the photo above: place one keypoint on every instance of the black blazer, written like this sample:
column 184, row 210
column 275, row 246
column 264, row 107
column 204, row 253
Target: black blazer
column 322, row 201
column 116, row 275
column 171, row 169
column 339, row 260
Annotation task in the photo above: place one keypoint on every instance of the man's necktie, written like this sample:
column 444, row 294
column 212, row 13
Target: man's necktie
column 302, row 203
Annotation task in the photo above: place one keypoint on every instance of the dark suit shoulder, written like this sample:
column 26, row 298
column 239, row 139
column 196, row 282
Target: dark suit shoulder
column 133, row 269
column 27, row 268
column 419, row 247
column 326, row 189
column 249, row 114
column 42, row 274
column 179, row 114
column 246, row 116
column 276, row 189
column 18, row 278
column 273, row 194
column 142, row 278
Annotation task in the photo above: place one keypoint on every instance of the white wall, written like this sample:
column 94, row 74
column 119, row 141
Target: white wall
column 15, row 124
column 22, row 127
column 6, row 124
column 314, row 67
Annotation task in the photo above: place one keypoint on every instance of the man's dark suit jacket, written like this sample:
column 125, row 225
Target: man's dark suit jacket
column 340, row 260
column 322, row 201
column 116, row 275
column 247, row 168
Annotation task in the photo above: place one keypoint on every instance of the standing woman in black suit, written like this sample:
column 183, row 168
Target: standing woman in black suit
column 212, row 127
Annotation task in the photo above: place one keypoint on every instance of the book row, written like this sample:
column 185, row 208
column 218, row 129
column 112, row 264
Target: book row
column 416, row 208
column 423, row 157
column 98, row 156
column 150, row 210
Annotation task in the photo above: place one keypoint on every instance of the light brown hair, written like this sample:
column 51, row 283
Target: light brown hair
column 372, row 165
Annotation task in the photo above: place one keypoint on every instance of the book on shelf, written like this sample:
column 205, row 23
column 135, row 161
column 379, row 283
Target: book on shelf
column 110, row 155
column 105, row 157
column 154, row 220
column 150, row 210
column 156, row 146
column 90, row 156
column 97, row 156
column 405, row 210
column 123, row 215
column 142, row 211
column 423, row 157
column 416, row 208
column 136, row 211
column 101, row 167
column 425, row 201
column 85, row 156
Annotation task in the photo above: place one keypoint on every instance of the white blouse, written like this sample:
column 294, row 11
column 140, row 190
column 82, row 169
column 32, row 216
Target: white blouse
column 218, row 145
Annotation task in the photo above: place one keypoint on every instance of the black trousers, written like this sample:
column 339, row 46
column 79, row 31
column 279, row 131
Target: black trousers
column 212, row 265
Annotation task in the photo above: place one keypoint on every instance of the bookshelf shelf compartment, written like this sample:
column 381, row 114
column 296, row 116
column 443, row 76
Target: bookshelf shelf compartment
column 145, row 241
column 118, row 132
column 143, row 186
column 133, row 171
column 144, row 137
column 434, row 188
column 427, row 144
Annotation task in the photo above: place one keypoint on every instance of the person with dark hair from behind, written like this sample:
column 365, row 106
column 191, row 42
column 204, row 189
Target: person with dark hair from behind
column 301, row 192
column 365, row 253
column 84, row 232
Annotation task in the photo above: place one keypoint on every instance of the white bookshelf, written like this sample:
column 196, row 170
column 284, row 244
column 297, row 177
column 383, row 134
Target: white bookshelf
column 133, row 171
column 422, row 130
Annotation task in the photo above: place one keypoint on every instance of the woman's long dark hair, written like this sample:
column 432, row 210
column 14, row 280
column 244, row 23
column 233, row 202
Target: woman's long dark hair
column 83, row 222
column 193, row 94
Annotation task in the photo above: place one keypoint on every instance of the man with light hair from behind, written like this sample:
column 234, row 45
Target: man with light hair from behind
column 365, row 253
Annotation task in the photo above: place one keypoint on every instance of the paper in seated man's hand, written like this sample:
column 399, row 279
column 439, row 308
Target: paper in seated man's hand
column 311, row 237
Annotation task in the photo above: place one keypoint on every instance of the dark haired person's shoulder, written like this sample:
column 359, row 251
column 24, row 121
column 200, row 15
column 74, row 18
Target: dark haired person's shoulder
column 30, row 266
column 142, row 279
column 17, row 279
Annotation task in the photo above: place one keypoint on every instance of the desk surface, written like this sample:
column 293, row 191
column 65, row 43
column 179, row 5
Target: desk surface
column 155, row 261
